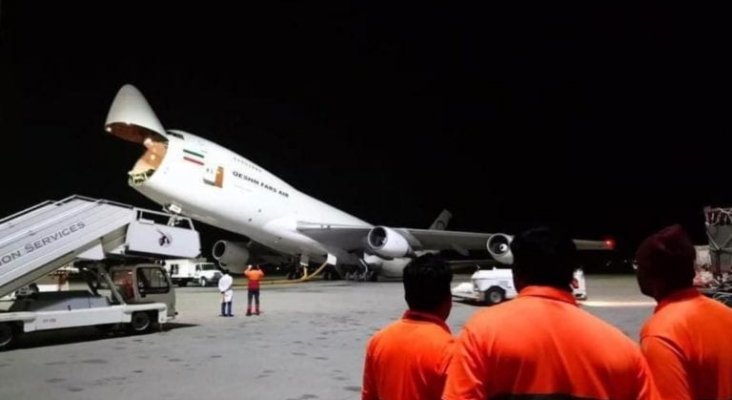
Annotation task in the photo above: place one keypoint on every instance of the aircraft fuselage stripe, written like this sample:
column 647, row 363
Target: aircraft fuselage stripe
column 199, row 162
column 193, row 153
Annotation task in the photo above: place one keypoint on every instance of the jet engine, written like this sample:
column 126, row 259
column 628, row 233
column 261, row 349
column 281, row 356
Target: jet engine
column 233, row 255
column 499, row 247
column 386, row 242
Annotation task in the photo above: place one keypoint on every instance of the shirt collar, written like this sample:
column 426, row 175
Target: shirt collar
column 682, row 294
column 427, row 317
column 548, row 292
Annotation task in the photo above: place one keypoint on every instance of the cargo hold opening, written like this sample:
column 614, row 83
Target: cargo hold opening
column 156, row 147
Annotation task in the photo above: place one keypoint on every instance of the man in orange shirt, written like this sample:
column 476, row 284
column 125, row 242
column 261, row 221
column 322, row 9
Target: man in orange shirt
column 686, row 340
column 541, row 345
column 407, row 359
column 254, row 275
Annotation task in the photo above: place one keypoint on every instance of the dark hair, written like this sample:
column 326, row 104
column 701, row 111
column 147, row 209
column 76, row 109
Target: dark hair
column 668, row 255
column 544, row 257
column 427, row 283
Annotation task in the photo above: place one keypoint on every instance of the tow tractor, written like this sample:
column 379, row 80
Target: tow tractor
column 493, row 286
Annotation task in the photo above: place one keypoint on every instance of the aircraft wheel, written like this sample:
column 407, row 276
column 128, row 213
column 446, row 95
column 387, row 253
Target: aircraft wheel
column 494, row 295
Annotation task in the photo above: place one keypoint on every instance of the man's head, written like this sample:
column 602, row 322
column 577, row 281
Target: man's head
column 543, row 257
column 665, row 262
column 427, row 285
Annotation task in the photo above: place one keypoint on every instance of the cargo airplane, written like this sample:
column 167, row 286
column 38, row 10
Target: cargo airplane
column 195, row 177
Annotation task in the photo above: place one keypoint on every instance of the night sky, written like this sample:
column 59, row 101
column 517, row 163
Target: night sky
column 602, row 119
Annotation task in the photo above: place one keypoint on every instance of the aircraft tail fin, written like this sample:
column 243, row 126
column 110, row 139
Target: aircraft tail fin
column 441, row 222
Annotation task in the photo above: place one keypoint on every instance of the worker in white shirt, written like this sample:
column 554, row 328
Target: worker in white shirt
column 227, row 293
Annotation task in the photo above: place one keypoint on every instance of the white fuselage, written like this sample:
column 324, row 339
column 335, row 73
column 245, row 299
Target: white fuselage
column 219, row 187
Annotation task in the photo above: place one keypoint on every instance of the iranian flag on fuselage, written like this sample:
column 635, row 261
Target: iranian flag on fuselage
column 192, row 156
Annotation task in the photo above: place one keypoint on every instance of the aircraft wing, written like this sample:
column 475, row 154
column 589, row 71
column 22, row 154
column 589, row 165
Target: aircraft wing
column 345, row 237
column 352, row 238
column 450, row 240
column 425, row 239
column 263, row 255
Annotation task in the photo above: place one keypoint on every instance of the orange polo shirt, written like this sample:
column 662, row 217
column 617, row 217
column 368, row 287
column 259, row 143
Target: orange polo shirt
column 254, row 276
column 688, row 345
column 542, row 345
column 407, row 360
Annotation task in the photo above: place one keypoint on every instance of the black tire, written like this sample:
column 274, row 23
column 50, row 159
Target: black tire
column 495, row 295
column 7, row 335
column 182, row 283
column 140, row 322
column 203, row 282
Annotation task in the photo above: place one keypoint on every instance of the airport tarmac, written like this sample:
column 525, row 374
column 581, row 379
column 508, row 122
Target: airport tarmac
column 308, row 344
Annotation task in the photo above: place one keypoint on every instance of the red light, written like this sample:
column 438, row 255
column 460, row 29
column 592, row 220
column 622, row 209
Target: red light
column 610, row 244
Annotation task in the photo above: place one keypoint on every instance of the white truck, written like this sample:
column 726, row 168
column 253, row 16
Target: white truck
column 136, row 296
column 185, row 270
column 493, row 286
column 89, row 233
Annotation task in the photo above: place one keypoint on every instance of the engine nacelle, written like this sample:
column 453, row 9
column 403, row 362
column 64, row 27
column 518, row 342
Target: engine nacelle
column 386, row 242
column 499, row 247
column 391, row 269
column 233, row 255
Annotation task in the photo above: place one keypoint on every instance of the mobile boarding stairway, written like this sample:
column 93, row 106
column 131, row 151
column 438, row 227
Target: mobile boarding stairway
column 40, row 239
